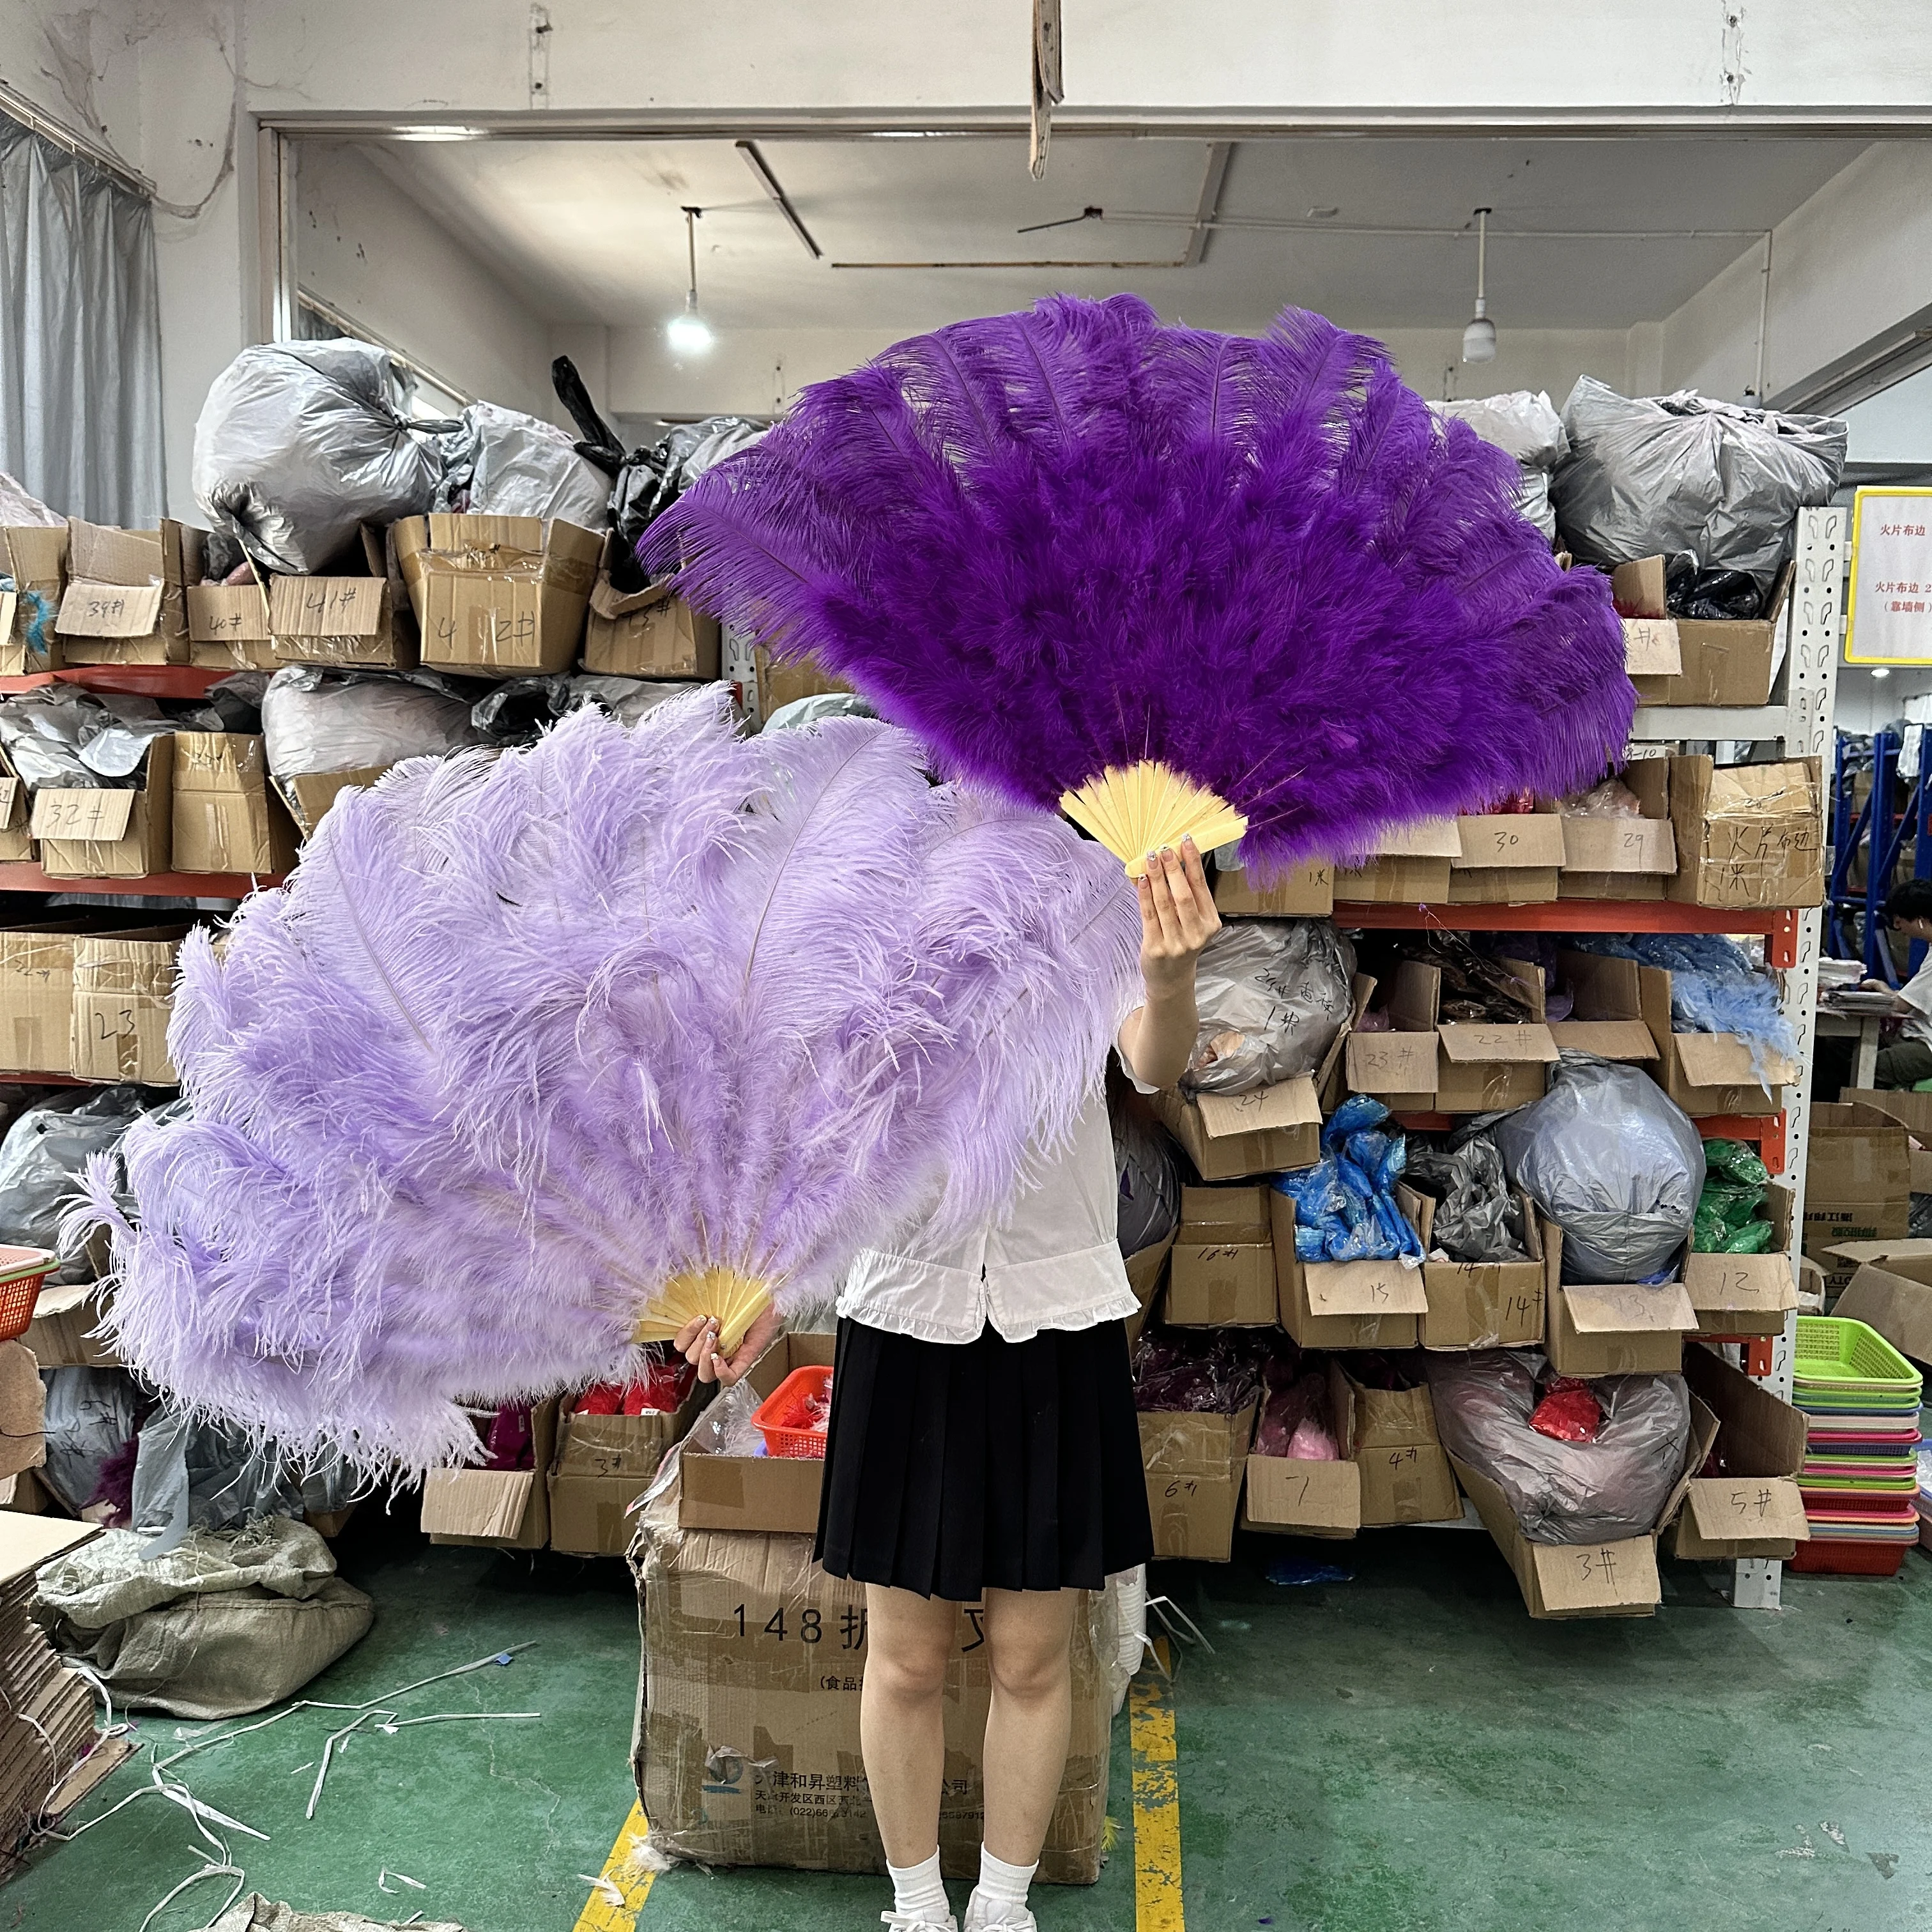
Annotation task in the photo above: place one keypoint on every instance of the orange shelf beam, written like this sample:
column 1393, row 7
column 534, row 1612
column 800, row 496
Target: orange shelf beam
column 23, row 876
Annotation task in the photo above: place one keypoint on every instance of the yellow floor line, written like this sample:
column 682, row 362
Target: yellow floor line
column 1157, row 1906
column 619, row 1893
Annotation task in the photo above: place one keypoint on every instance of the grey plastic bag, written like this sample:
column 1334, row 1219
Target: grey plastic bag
column 1477, row 1219
column 91, row 1413
column 323, row 721
column 1610, row 1158
column 501, row 463
column 1685, row 473
column 1564, row 1491
column 41, row 1161
column 1525, row 423
column 1272, row 994
column 299, row 443
column 1149, row 1183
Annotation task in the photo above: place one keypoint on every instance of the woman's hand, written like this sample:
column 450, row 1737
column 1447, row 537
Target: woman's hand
column 698, row 1341
column 1178, row 919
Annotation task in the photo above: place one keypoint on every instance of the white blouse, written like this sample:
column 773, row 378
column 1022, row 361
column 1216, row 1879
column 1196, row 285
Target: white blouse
column 1056, row 1264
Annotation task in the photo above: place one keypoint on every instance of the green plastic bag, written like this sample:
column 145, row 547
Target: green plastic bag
column 1730, row 1211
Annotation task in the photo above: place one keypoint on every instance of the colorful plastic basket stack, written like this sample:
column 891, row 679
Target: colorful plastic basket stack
column 1860, row 1478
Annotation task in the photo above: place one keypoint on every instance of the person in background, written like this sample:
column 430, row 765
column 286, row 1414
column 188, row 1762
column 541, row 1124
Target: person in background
column 983, row 1448
column 1908, row 1060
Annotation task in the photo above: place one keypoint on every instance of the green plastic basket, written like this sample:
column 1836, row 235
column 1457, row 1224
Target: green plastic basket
column 1842, row 1355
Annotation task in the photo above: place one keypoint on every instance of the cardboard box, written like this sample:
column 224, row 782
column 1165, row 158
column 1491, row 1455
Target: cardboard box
column 1287, row 1497
column 1623, row 858
column 1913, row 1112
column 1308, row 892
column 353, row 616
column 1231, row 1136
column 1611, row 1328
column 22, row 1411
column 1410, row 866
column 1748, row 836
column 36, row 997
column 1374, row 1304
column 1747, row 1294
column 35, row 557
column 746, row 1747
column 16, row 837
column 308, row 795
column 1858, row 1184
column 1455, row 1067
column 498, row 596
column 109, row 834
column 227, row 816
column 1390, row 1435
column 508, row 1509
column 1194, row 1464
column 1754, row 1508
column 647, row 633
column 124, row 997
column 126, row 597
column 62, row 1334
column 1222, row 1273
column 228, row 627
column 604, row 1464
column 1891, row 1290
column 1507, row 858
column 1726, row 661
column 1480, row 1304
column 1146, row 1272
column 783, row 682
column 772, row 1493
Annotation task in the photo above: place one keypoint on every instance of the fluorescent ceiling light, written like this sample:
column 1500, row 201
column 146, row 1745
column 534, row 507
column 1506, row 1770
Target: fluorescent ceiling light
column 431, row 131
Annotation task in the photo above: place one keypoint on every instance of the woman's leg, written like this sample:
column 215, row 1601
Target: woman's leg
column 1029, row 1645
column 909, row 1642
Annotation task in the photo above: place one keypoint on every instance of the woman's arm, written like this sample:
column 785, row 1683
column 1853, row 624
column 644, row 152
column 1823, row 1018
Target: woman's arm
column 1178, row 919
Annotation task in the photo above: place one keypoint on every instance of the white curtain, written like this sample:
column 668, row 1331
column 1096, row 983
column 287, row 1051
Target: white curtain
column 80, row 337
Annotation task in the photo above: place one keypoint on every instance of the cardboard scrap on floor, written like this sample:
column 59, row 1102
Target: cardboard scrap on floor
column 257, row 1914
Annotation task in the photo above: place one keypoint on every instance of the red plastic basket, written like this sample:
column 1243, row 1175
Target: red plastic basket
column 792, row 1418
column 1822, row 1557
column 22, row 1272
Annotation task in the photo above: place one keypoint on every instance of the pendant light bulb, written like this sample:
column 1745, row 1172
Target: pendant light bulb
column 687, row 332
column 1479, row 338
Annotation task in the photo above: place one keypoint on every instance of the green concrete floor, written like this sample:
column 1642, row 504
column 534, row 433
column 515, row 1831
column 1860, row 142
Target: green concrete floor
column 1405, row 1752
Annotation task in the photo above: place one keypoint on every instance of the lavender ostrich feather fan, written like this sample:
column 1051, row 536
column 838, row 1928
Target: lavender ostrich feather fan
column 1071, row 542
column 530, row 1047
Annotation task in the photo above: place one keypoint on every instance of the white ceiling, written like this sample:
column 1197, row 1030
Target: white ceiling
column 590, row 231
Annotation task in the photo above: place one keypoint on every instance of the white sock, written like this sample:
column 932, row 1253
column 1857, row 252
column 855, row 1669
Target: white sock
column 1002, row 1887
column 919, row 1891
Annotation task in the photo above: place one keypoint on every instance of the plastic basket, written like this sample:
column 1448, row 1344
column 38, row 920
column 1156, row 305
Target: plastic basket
column 1838, row 1356
column 1822, row 1557
column 785, row 1418
column 22, row 1272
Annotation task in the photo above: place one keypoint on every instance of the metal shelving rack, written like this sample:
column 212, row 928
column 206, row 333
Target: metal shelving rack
column 1797, row 723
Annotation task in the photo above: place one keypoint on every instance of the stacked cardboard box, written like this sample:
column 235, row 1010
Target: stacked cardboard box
column 227, row 816
column 102, row 833
column 498, row 596
column 508, row 1509
column 1748, row 836
column 603, row 1464
column 1194, row 1462
column 1695, row 660
column 126, row 597
column 1858, row 1184
column 1611, row 1328
column 76, row 999
column 358, row 617
column 648, row 633
column 1221, row 1274
column 35, row 557
column 1623, row 858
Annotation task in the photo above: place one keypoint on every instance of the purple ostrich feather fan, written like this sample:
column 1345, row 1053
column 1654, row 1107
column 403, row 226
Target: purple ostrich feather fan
column 527, row 1038
column 1058, row 541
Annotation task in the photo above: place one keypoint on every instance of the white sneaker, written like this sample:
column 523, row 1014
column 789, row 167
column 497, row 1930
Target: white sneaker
column 1014, row 1918
column 904, row 1921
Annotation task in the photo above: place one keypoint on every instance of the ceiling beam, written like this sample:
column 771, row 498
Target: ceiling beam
column 769, row 181
column 1209, row 206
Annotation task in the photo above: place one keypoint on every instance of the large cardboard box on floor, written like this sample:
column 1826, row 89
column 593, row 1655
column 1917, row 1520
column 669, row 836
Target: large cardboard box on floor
column 1507, row 858
column 506, row 1509
column 1858, row 1184
column 126, row 597
column 1373, row 1304
column 1306, row 893
column 228, row 627
column 604, row 1464
column 746, row 1749
column 1890, row 1290
column 359, row 614
column 1753, row 1506
column 1611, row 1328
column 1221, row 1274
column 1748, row 836
column 1615, row 1577
column 1623, row 858
column 227, row 818
column 1747, row 1294
column 1480, row 1304
column 1721, row 662
column 772, row 1493
column 1410, row 866
column 648, row 633
column 1425, row 1063
column 123, row 998
column 1194, row 1463
column 35, row 557
column 109, row 833
column 498, row 596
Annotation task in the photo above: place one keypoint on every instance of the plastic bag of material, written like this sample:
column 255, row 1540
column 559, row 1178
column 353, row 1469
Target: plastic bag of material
column 1477, row 1218
column 1562, row 1491
column 194, row 1475
column 43, row 1157
column 519, row 709
column 325, row 721
column 1609, row 1157
column 501, row 463
column 653, row 479
column 20, row 508
column 1199, row 1371
column 1272, row 994
column 299, row 443
column 822, row 704
column 1525, row 423
column 91, row 1415
column 1345, row 1205
column 1730, row 1210
column 1149, row 1183
column 1662, row 474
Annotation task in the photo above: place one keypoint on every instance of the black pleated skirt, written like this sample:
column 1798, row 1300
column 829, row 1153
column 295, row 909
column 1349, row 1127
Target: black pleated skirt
column 953, row 1468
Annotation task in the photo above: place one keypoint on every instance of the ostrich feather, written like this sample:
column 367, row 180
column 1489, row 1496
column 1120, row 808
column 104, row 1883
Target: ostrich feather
column 525, row 1039
column 1062, row 542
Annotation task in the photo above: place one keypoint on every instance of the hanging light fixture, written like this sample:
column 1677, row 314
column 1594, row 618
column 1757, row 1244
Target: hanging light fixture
column 1479, row 339
column 687, row 332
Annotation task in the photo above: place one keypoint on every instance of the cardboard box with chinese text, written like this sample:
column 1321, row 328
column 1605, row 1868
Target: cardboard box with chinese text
column 1748, row 836
column 1306, row 893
